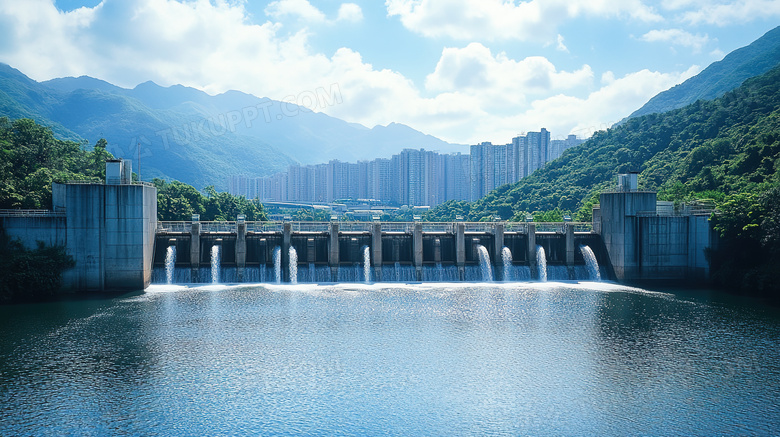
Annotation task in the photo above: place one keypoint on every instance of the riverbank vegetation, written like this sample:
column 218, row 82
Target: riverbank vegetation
column 30, row 274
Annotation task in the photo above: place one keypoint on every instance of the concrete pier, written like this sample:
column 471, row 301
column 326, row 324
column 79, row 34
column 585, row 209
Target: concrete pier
column 532, row 251
column 195, row 252
column 460, row 250
column 333, row 253
column 240, row 251
column 417, row 248
column 376, row 250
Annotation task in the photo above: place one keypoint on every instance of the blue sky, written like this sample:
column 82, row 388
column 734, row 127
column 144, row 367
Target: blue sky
column 463, row 70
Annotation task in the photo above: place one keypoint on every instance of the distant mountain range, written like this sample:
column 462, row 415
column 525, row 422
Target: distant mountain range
column 188, row 135
column 720, row 77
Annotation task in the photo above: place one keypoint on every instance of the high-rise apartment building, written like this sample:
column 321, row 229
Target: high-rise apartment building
column 413, row 177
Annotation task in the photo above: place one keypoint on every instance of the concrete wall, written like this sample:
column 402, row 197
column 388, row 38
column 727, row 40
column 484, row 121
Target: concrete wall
column 646, row 246
column 51, row 230
column 110, row 235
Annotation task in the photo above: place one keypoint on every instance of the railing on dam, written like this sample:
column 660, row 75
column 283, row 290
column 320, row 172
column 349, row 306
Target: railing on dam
column 183, row 227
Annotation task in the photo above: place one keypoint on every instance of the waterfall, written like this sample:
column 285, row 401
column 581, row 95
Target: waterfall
column 541, row 263
column 278, row 264
column 397, row 272
column 312, row 273
column 591, row 263
column 170, row 263
column 439, row 272
column 293, row 265
column 506, row 256
column 215, row 264
column 367, row 263
column 484, row 263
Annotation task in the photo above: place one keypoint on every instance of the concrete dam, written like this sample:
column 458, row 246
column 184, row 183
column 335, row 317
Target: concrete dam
column 111, row 231
column 371, row 251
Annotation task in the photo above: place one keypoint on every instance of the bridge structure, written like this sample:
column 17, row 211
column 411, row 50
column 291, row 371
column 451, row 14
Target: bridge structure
column 343, row 244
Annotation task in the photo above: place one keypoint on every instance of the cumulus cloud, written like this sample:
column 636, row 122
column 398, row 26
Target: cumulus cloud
column 677, row 37
column 471, row 95
column 350, row 12
column 479, row 20
column 306, row 12
column 498, row 80
column 725, row 13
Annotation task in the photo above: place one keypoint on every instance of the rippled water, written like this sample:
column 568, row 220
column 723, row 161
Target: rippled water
column 438, row 359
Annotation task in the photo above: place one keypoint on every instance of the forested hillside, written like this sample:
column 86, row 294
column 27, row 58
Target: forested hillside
column 31, row 158
column 707, row 149
column 753, row 60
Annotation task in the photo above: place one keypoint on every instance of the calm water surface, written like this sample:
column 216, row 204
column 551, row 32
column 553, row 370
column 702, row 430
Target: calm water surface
column 430, row 359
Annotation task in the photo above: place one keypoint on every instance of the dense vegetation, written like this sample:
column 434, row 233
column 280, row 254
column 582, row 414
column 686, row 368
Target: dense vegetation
column 707, row 149
column 31, row 159
column 177, row 201
column 30, row 274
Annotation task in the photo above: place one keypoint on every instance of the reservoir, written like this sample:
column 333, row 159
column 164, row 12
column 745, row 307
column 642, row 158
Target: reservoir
column 552, row 358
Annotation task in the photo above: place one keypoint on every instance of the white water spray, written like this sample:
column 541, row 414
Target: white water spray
column 506, row 257
column 293, row 265
column 215, row 260
column 590, row 261
column 541, row 263
column 484, row 263
column 278, row 264
column 367, row 263
column 170, row 263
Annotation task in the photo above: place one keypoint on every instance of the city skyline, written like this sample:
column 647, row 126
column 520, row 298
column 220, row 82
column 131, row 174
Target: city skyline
column 464, row 71
column 413, row 177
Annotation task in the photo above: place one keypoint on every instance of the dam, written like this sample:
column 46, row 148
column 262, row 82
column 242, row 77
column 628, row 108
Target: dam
column 372, row 251
column 112, row 232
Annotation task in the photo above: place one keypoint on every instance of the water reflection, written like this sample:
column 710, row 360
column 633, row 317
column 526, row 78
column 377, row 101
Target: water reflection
column 402, row 359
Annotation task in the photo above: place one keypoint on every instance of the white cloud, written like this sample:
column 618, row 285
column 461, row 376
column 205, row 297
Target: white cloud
column 295, row 8
column 308, row 13
column 479, row 20
column 677, row 37
column 350, row 12
column 740, row 11
column 561, row 46
column 498, row 80
column 471, row 95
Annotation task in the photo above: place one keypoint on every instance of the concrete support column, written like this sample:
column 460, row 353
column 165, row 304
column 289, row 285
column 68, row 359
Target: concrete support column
column 333, row 253
column 498, row 246
column 241, row 251
column 195, row 251
column 498, row 240
column 286, row 242
column 376, row 251
column 532, row 250
column 569, row 228
column 460, row 250
column 437, row 251
column 417, row 247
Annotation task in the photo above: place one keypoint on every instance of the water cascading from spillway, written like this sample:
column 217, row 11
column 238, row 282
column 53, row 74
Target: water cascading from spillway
column 591, row 263
column 293, row 265
column 484, row 263
column 367, row 263
column 277, row 256
column 170, row 264
column 506, row 257
column 541, row 263
column 215, row 260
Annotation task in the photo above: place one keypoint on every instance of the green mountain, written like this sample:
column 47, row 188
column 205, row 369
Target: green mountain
column 720, row 77
column 187, row 135
column 708, row 148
